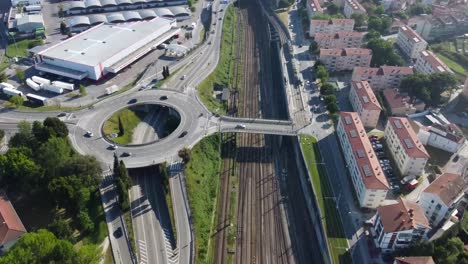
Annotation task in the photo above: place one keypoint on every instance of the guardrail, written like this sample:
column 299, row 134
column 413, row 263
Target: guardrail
column 255, row 120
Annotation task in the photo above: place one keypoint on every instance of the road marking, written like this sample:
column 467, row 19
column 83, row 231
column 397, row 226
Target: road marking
column 143, row 251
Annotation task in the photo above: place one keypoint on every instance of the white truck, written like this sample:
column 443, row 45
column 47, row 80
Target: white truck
column 12, row 92
column 33, row 85
column 51, row 88
column 40, row 80
column 64, row 85
column 6, row 85
column 110, row 90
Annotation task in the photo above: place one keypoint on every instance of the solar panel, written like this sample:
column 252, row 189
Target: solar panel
column 367, row 170
column 360, row 153
column 365, row 99
column 347, row 120
column 408, row 143
column 397, row 124
column 353, row 133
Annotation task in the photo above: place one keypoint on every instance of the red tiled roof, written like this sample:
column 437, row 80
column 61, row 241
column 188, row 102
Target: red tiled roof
column 315, row 4
column 408, row 138
column 383, row 70
column 366, row 95
column 414, row 260
column 396, row 100
column 434, row 61
column 404, row 215
column 338, row 35
column 345, row 52
column 11, row 226
column 411, row 34
column 363, row 152
column 448, row 187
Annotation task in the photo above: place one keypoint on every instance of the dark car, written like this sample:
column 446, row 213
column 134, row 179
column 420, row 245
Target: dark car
column 164, row 97
column 183, row 134
column 132, row 101
column 118, row 232
column 61, row 114
column 126, row 154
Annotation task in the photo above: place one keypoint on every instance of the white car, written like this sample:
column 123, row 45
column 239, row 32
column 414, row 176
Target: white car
column 113, row 146
column 240, row 126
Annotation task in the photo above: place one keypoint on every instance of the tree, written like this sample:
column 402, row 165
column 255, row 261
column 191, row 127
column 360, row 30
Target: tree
column 167, row 71
column 63, row 27
column 414, row 85
column 41, row 133
column 17, row 100
column 85, row 221
column 18, row 170
column 89, row 254
column 116, row 163
column 2, row 134
column 418, row 9
column 83, row 90
column 328, row 99
column 3, row 76
column 61, row 229
column 164, row 72
column 56, row 127
column 313, row 48
column 440, row 83
column 360, row 20
column 428, row 88
column 372, row 34
column 24, row 137
column 327, row 89
column 379, row 24
column 333, row 9
column 379, row 10
column 322, row 74
column 20, row 75
column 87, row 168
column 123, row 174
column 383, row 53
column 54, row 153
column 121, row 128
column 332, row 108
column 185, row 154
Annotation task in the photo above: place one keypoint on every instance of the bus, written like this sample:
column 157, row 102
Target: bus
column 36, row 99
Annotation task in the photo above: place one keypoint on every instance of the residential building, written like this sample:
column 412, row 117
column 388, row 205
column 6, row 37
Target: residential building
column 410, row 42
column 352, row 7
column 407, row 150
column 369, row 181
column 442, row 197
column 11, row 227
column 365, row 103
column 345, row 59
column 333, row 25
column 414, row 260
column 400, row 104
column 314, row 8
column 447, row 137
column 394, row 6
column 399, row 225
column 383, row 77
column 339, row 40
column 428, row 63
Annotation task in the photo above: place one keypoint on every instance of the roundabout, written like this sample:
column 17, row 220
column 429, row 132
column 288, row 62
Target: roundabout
column 194, row 125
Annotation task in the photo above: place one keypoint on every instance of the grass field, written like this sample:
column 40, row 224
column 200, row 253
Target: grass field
column 336, row 239
column 20, row 49
column 130, row 120
column 202, row 173
column 453, row 65
column 96, row 213
column 223, row 73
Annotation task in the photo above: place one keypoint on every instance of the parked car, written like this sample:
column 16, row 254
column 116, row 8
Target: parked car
column 89, row 134
column 407, row 179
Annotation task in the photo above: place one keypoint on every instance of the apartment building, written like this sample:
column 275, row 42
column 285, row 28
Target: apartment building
column 400, row 104
column 400, row 225
column 410, row 42
column 443, row 197
column 314, row 8
column 407, row 150
column 352, row 7
column 414, row 260
column 345, row 59
column 383, row 77
column 339, row 40
column 365, row 103
column 333, row 25
column 368, row 179
column 447, row 137
column 427, row 63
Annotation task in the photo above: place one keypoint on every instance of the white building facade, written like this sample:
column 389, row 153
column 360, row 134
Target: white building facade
column 407, row 150
column 345, row 59
column 382, row 77
column 410, row 42
column 333, row 25
column 368, row 179
column 352, row 7
column 339, row 40
column 365, row 103
column 445, row 137
column 428, row 63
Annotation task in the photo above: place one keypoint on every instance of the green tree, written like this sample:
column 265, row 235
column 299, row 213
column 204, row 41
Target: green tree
column 328, row 99
column 3, row 76
column 116, row 163
column 85, row 221
column 379, row 10
column 89, row 254
column 327, row 89
column 379, row 24
column 372, row 34
column 313, row 48
column 2, row 134
column 20, row 75
column 54, row 153
column 56, row 127
column 121, row 128
column 185, row 154
column 123, row 174
column 333, row 9
column 332, row 108
column 418, row 9
column 440, row 83
column 360, row 20
column 63, row 27
column 322, row 74
column 87, row 168
column 83, row 90
column 383, row 53
column 17, row 100
column 41, row 133
column 414, row 85
column 18, row 170
column 61, row 229
column 24, row 137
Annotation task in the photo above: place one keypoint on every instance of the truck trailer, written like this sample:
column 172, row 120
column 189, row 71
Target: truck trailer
column 12, row 92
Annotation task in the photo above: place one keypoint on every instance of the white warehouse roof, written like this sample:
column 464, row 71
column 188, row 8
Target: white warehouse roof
column 101, row 43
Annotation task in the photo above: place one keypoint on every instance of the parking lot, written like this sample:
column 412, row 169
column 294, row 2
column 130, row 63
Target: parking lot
column 385, row 163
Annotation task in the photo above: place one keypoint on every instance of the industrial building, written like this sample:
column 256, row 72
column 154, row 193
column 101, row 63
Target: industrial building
column 15, row 3
column 106, row 48
column 102, row 6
